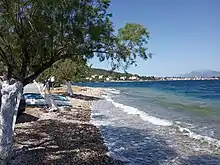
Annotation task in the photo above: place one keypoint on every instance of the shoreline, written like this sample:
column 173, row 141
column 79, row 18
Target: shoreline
column 63, row 137
column 134, row 81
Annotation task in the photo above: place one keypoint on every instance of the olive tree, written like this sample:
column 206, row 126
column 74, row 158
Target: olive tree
column 34, row 34
column 67, row 71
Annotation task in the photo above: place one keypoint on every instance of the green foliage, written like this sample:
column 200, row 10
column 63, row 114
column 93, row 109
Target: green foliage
column 66, row 70
column 2, row 69
column 107, row 73
column 34, row 34
column 116, row 75
column 134, row 37
column 148, row 78
column 131, row 43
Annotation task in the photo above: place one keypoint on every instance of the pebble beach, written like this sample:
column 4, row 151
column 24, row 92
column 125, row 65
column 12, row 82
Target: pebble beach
column 62, row 137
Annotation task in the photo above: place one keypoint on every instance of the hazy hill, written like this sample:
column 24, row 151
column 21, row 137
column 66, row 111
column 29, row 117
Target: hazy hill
column 202, row 73
column 107, row 72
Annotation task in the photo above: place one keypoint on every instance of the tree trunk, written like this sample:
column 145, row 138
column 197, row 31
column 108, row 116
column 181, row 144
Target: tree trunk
column 19, row 95
column 69, row 88
column 41, row 91
column 50, row 101
column 48, row 97
column 10, row 99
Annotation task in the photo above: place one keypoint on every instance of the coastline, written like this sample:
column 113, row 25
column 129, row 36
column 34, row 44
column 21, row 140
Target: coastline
column 205, row 79
column 63, row 137
column 140, row 136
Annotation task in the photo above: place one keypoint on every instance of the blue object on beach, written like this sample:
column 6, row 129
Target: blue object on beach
column 35, row 99
column 59, row 97
column 32, row 96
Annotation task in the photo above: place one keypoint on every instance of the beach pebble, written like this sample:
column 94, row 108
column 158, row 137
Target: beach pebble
column 62, row 137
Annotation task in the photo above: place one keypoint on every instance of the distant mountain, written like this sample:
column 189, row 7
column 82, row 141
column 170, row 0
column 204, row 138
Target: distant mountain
column 202, row 73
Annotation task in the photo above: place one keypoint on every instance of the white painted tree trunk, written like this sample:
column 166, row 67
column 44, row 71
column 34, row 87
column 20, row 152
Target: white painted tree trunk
column 69, row 88
column 50, row 101
column 48, row 97
column 39, row 89
column 19, row 95
column 10, row 98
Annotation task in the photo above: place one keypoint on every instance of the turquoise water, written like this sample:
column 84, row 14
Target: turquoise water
column 204, row 89
column 198, row 98
column 180, row 118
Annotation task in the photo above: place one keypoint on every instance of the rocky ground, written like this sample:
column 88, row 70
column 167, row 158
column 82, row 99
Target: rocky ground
column 62, row 137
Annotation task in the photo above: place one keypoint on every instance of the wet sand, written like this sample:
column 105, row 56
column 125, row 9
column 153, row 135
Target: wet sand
column 62, row 137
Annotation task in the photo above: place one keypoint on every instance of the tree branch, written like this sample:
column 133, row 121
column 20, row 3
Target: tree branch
column 40, row 70
column 10, row 64
column 3, row 55
column 25, row 53
column 25, row 61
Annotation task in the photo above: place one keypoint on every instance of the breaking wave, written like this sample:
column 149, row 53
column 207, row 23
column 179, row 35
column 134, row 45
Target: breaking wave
column 163, row 122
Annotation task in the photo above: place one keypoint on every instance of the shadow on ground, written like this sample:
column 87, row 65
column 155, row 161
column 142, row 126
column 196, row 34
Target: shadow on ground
column 24, row 118
column 85, row 97
column 56, row 142
column 61, row 143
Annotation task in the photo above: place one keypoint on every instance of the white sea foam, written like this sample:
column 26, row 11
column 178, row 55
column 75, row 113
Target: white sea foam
column 134, row 111
column 162, row 122
column 99, row 123
column 203, row 138
column 113, row 91
column 119, row 149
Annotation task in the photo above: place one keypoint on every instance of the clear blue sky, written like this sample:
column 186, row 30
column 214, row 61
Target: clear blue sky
column 185, row 34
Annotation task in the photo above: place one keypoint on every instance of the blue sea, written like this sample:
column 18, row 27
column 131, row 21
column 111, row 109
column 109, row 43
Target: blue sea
column 161, row 122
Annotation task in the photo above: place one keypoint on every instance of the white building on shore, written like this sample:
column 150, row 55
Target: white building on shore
column 133, row 78
column 122, row 78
